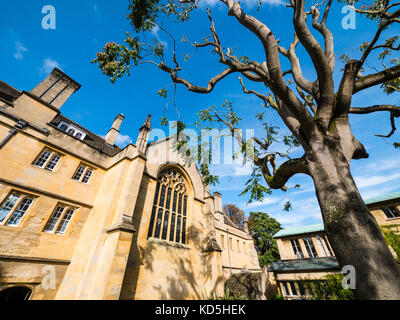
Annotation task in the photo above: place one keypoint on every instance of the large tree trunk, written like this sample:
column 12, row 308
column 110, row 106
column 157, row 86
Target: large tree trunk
column 352, row 230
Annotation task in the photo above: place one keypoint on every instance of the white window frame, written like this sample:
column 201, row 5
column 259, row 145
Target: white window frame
column 60, row 220
column 17, row 206
column 72, row 127
column 324, row 245
column 83, row 176
column 48, row 164
column 297, row 248
column 307, row 243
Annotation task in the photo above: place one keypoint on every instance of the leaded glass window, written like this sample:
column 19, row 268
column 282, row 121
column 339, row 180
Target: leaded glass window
column 53, row 162
column 59, row 220
column 312, row 253
column 42, row 159
column 48, row 160
column 14, row 208
column 296, row 248
column 54, row 219
column 169, row 213
column 65, row 221
column 8, row 205
column 83, row 174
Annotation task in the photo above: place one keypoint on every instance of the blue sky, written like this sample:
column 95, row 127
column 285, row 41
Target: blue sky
column 82, row 28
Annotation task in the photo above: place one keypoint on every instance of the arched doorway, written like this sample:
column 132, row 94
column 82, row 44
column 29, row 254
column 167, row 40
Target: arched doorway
column 15, row 293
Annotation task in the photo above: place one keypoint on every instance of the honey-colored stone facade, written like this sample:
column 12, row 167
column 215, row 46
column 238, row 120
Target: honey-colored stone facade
column 288, row 280
column 104, row 252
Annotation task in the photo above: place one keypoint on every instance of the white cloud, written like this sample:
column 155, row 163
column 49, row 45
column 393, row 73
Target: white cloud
column 267, row 201
column 19, row 50
column 97, row 12
column 48, row 65
column 368, row 181
column 155, row 30
column 122, row 140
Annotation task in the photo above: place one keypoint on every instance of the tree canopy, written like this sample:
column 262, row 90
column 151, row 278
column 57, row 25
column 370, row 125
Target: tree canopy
column 236, row 214
column 262, row 227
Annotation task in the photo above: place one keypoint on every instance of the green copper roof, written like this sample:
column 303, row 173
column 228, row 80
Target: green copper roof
column 384, row 197
column 299, row 230
column 320, row 227
column 324, row 263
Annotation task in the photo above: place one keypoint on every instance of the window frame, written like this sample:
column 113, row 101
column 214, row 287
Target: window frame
column 325, row 246
column 56, row 226
column 297, row 248
column 45, row 165
column 393, row 210
column 222, row 241
column 72, row 127
column 170, row 209
column 309, row 248
column 22, row 196
column 86, row 169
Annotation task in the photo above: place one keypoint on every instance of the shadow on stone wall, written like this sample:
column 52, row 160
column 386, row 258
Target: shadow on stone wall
column 252, row 285
column 191, row 267
column 188, row 277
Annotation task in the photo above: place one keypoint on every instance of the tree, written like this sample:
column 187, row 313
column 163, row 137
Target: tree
column 314, row 111
column 262, row 227
column 235, row 214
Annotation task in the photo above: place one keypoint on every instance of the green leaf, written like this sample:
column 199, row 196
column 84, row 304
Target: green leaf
column 162, row 93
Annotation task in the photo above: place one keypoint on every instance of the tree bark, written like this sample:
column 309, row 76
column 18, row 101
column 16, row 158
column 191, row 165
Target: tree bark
column 352, row 230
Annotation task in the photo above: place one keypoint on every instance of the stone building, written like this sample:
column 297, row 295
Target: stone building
column 81, row 218
column 306, row 253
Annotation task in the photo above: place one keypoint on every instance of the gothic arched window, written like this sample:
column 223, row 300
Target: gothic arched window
column 169, row 213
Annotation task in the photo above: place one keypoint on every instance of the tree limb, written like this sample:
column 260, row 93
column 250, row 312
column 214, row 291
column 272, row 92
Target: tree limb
column 376, row 78
column 394, row 113
column 285, row 171
column 320, row 61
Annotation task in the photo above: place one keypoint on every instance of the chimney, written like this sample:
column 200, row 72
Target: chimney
column 246, row 226
column 143, row 137
column 114, row 131
column 218, row 213
column 56, row 88
column 217, row 202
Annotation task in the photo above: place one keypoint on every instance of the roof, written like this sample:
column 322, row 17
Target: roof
column 8, row 92
column 299, row 230
column 90, row 139
column 323, row 263
column 229, row 222
column 384, row 197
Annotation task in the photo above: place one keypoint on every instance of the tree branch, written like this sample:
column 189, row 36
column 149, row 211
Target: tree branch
column 326, row 33
column 268, row 100
column 376, row 78
column 191, row 87
column 320, row 61
column 277, row 82
column 285, row 171
column 394, row 113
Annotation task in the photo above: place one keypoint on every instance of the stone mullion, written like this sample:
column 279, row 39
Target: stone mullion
column 156, row 205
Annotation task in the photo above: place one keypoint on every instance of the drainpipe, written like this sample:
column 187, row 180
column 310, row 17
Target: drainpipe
column 19, row 125
column 11, row 133
column 229, row 251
